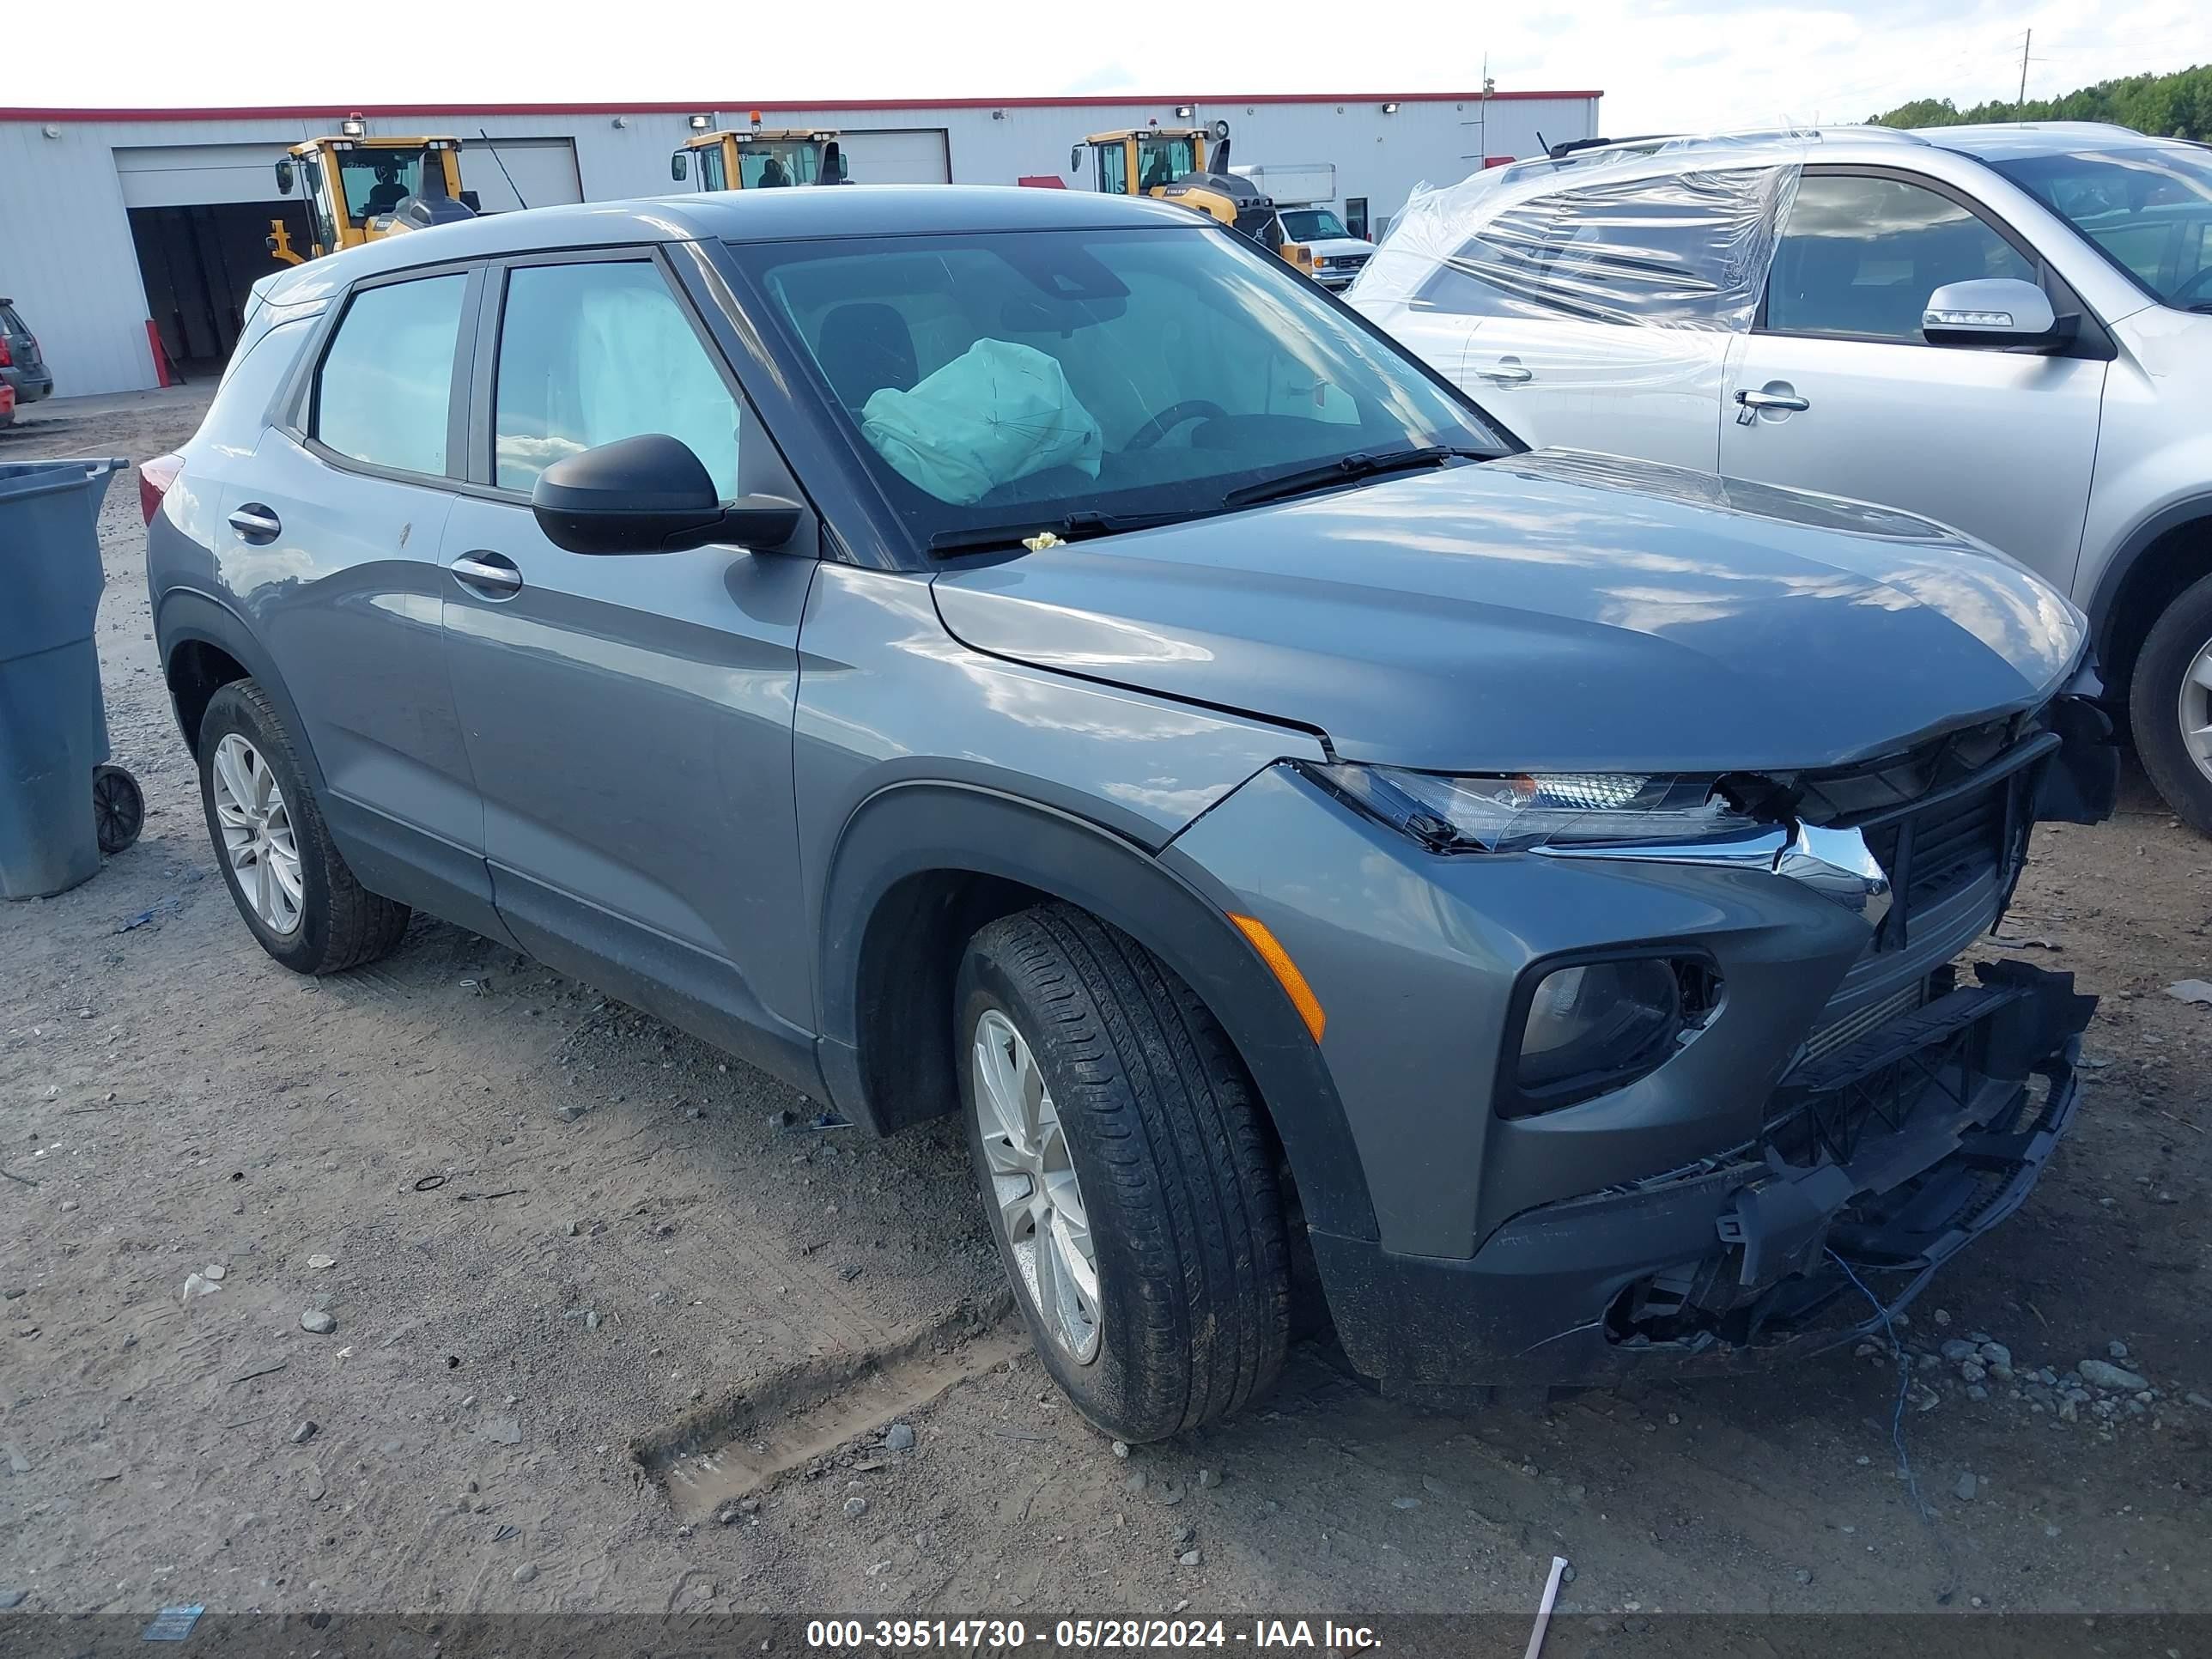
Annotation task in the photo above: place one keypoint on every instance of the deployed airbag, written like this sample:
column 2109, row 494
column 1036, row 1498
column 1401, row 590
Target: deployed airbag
column 996, row 412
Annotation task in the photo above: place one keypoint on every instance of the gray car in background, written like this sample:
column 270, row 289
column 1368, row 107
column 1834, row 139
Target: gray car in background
column 1030, row 655
column 21, row 367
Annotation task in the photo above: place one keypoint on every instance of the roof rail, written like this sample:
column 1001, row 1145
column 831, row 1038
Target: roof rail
column 1574, row 146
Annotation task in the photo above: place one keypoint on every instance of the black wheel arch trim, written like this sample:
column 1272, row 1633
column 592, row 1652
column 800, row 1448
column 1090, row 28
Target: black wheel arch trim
column 1164, row 902
column 187, row 614
column 2133, row 546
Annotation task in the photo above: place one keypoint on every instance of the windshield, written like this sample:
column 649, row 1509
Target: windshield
column 1313, row 225
column 375, row 181
column 995, row 378
column 765, row 165
column 2149, row 212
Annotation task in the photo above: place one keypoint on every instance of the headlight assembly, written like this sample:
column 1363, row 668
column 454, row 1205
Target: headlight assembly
column 1518, row 812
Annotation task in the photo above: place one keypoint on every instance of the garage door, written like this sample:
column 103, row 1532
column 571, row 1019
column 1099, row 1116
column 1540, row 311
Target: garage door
column 181, row 175
column 897, row 156
column 507, row 173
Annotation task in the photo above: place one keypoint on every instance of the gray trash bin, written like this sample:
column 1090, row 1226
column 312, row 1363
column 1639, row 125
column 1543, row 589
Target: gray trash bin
column 53, row 724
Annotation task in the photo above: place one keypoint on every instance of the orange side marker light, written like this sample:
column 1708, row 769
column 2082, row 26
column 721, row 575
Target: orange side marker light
column 1285, row 972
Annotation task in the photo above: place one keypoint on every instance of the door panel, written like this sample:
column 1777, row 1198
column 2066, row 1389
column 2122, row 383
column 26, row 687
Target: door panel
column 337, row 566
column 2000, row 446
column 629, row 718
column 346, row 596
column 1652, row 392
column 1850, row 401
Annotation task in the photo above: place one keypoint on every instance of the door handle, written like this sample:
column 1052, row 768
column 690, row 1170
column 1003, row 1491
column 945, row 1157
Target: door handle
column 256, row 522
column 1507, row 372
column 1752, row 400
column 493, row 576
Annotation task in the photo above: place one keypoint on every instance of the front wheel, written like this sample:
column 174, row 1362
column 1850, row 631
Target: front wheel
column 2170, row 705
column 1129, row 1180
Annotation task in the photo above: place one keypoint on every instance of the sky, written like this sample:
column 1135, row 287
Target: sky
column 1662, row 64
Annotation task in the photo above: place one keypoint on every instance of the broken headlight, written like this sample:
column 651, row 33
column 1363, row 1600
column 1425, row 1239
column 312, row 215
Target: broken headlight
column 1513, row 813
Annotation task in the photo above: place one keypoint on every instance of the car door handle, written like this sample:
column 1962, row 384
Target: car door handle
column 256, row 522
column 1506, row 371
column 1750, row 398
column 491, row 575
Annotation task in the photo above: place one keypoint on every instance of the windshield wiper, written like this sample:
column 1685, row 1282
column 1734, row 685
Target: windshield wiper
column 1349, row 468
column 1069, row 527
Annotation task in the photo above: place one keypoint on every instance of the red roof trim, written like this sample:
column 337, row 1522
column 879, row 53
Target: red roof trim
column 334, row 111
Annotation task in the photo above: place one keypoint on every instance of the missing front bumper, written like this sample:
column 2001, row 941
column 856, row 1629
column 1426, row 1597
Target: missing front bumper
column 1888, row 1157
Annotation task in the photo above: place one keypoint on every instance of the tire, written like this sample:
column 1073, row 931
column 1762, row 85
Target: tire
column 118, row 809
column 1173, row 1173
column 337, row 923
column 2156, row 709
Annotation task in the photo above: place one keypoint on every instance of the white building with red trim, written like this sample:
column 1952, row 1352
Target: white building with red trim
column 114, row 218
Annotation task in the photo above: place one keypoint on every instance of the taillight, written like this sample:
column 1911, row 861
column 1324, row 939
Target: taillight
column 155, row 478
column 7, row 357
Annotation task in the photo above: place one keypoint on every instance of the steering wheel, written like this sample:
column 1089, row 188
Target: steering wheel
column 2182, row 296
column 1190, row 408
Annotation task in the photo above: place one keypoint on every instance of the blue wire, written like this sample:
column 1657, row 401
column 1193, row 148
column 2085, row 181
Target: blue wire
column 1897, row 1423
column 1904, row 1382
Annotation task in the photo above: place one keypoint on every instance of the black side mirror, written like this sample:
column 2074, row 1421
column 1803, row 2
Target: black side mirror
column 284, row 177
column 679, row 166
column 650, row 494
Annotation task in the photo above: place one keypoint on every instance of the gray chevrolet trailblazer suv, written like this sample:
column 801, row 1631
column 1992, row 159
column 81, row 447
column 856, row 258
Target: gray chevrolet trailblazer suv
column 1030, row 654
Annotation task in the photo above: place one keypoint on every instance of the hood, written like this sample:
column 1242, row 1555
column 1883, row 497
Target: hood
column 1338, row 247
column 1554, row 610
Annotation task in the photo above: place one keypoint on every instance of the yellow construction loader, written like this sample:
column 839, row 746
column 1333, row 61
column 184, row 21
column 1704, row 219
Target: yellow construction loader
column 1189, row 166
column 358, row 189
column 758, row 158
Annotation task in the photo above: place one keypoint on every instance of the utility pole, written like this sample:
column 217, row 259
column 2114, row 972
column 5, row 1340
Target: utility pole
column 1482, row 122
column 2021, row 101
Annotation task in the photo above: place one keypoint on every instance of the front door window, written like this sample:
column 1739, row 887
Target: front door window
column 1161, row 161
column 592, row 352
column 1860, row 256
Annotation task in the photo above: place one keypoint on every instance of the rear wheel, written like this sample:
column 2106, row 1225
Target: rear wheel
column 287, row 877
column 1129, row 1179
column 2170, row 705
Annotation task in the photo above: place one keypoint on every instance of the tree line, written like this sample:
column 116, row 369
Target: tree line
column 2176, row 105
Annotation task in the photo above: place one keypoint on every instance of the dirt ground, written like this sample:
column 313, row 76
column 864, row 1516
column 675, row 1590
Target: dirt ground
column 592, row 1294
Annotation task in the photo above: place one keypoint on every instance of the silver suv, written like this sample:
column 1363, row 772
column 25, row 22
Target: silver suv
column 1030, row 655
column 2008, row 329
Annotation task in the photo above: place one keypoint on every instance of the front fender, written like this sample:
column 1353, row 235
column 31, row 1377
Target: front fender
column 1163, row 900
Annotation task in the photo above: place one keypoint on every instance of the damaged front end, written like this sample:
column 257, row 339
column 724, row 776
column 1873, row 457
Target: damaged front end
column 1884, row 1158
column 1915, row 1112
column 1919, row 1112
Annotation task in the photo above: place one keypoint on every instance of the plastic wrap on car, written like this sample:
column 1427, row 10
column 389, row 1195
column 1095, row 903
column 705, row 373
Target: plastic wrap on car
column 1617, row 235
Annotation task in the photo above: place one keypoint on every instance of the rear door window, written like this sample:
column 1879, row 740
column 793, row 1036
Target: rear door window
column 1681, row 249
column 1860, row 255
column 386, row 385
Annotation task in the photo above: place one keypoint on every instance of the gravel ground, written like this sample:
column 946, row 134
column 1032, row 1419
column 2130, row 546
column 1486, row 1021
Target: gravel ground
column 450, row 1285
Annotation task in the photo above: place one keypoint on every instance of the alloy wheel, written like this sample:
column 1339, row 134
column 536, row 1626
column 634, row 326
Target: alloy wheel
column 2196, row 708
column 258, row 837
column 1033, row 1184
